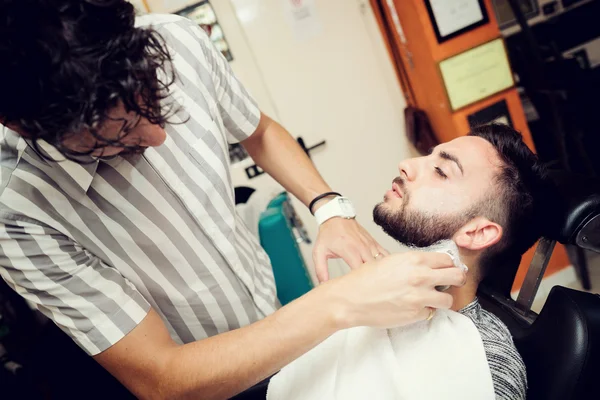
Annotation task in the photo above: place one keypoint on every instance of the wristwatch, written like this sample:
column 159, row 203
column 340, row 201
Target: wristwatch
column 337, row 207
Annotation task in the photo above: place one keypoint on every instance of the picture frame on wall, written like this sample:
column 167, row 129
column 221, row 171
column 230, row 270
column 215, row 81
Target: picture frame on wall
column 476, row 74
column 506, row 18
column 497, row 113
column 451, row 18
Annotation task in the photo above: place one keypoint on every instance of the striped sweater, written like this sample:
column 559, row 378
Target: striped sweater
column 506, row 365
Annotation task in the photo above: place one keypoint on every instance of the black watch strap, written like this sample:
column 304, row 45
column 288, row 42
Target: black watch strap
column 320, row 197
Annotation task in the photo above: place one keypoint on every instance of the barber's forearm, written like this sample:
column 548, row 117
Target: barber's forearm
column 276, row 152
column 226, row 364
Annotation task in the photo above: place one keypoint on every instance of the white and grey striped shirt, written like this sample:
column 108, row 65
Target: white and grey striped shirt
column 94, row 246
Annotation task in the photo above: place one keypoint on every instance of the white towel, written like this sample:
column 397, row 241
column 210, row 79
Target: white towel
column 440, row 359
column 257, row 203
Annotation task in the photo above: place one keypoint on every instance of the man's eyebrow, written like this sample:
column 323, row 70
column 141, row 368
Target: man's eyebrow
column 453, row 158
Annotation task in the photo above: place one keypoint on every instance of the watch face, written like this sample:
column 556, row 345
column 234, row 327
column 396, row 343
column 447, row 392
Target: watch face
column 346, row 206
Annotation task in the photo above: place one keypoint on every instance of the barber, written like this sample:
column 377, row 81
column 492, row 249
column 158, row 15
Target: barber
column 117, row 216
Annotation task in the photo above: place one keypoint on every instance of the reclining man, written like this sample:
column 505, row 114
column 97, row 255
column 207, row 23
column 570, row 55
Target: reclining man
column 481, row 191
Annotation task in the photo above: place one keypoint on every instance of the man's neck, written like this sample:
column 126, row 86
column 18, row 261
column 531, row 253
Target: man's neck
column 463, row 296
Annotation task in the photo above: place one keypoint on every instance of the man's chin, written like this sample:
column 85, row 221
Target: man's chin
column 382, row 207
column 382, row 216
column 388, row 207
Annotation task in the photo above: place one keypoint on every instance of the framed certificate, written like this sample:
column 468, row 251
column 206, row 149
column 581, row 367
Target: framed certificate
column 505, row 16
column 496, row 113
column 476, row 74
column 451, row 18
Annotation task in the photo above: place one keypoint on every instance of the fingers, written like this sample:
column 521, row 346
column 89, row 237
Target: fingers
column 448, row 277
column 439, row 300
column 374, row 248
column 368, row 249
column 382, row 251
column 426, row 314
column 434, row 260
column 367, row 254
column 354, row 258
column 378, row 252
column 321, row 268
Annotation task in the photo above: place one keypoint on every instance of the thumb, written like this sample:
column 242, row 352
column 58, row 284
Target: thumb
column 320, row 260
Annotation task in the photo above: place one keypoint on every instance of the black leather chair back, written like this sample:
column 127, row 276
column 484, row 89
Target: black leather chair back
column 574, row 208
column 561, row 346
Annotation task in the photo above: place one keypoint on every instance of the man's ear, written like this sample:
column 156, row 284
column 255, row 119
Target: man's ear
column 478, row 234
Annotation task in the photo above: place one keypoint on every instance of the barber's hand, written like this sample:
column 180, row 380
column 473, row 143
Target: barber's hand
column 346, row 239
column 394, row 291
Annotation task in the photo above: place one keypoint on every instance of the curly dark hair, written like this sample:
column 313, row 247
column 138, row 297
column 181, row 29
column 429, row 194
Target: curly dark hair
column 67, row 63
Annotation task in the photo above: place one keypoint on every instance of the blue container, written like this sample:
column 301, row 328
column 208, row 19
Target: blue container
column 277, row 237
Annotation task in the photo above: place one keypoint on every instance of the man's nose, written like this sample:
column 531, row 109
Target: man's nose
column 153, row 136
column 407, row 170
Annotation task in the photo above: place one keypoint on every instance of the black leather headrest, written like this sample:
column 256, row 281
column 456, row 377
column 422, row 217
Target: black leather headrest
column 569, row 212
column 561, row 349
column 573, row 201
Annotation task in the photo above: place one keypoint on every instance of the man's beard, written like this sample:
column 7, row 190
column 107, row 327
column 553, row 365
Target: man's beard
column 417, row 228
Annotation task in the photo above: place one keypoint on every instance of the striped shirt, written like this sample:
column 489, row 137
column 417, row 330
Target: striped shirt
column 506, row 365
column 95, row 245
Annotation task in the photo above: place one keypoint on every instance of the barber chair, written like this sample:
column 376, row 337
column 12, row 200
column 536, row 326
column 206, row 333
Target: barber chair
column 561, row 345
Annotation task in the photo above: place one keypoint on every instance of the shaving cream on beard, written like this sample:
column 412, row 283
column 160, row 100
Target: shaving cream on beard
column 447, row 247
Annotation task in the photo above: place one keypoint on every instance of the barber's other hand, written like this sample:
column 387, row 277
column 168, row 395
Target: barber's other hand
column 346, row 239
column 394, row 291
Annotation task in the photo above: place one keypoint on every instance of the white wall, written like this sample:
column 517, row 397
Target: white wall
column 139, row 6
column 338, row 85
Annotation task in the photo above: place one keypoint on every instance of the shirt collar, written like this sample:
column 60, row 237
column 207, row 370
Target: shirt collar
column 473, row 308
column 74, row 177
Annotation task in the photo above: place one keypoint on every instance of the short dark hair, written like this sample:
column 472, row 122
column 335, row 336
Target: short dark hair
column 67, row 63
column 515, row 201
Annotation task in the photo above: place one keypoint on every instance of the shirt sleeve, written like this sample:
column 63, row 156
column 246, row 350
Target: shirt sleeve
column 508, row 370
column 237, row 107
column 89, row 300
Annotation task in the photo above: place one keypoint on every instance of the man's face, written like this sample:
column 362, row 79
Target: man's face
column 140, row 135
column 436, row 195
